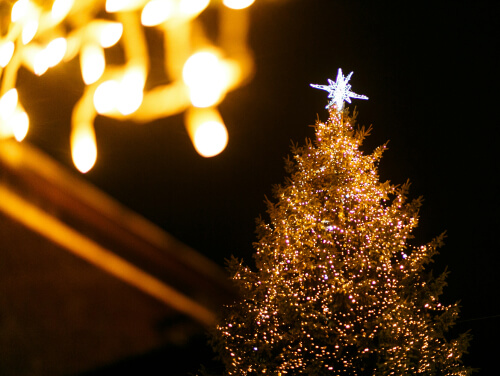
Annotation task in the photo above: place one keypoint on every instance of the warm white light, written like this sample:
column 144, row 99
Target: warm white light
column 110, row 34
column 40, row 65
column 238, row 4
column 13, row 120
column 105, row 96
column 5, row 129
column 122, row 5
column 8, row 104
column 206, row 78
column 20, row 9
column 89, row 29
column 55, row 51
column 210, row 138
column 130, row 92
column 157, row 11
column 19, row 124
column 192, row 8
column 50, row 56
column 60, row 9
column 6, row 52
column 130, row 101
column 92, row 63
column 207, row 131
column 29, row 30
column 83, row 147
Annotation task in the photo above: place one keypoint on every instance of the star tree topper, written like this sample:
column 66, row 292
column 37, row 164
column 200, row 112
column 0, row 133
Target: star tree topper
column 339, row 91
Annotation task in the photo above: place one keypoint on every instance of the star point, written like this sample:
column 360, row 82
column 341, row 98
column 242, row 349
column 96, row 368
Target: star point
column 339, row 90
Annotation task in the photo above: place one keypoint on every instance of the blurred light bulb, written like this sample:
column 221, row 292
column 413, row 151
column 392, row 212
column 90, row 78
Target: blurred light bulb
column 55, row 51
column 6, row 52
column 210, row 138
column 40, row 65
column 207, row 131
column 237, row 4
column 60, row 9
column 122, row 5
column 206, row 78
column 20, row 124
column 5, row 130
column 92, row 63
column 192, row 8
column 29, row 30
column 83, row 147
column 8, row 103
column 19, row 10
column 50, row 56
column 131, row 91
column 156, row 11
column 110, row 34
column 105, row 96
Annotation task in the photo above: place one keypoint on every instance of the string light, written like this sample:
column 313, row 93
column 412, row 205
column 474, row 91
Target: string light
column 6, row 51
column 207, row 131
column 199, row 70
column 206, row 78
column 14, row 121
column 338, row 289
column 19, row 124
column 50, row 56
column 83, row 147
column 238, row 4
column 157, row 11
column 92, row 62
column 60, row 9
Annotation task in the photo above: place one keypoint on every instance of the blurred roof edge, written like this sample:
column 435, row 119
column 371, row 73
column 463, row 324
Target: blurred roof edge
column 45, row 198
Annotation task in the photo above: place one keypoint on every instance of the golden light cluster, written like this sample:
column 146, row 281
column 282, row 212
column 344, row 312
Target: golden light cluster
column 42, row 34
column 338, row 289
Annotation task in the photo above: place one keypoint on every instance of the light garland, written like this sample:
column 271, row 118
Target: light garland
column 338, row 287
column 42, row 35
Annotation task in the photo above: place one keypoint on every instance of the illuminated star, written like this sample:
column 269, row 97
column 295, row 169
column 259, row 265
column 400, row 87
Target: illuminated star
column 339, row 91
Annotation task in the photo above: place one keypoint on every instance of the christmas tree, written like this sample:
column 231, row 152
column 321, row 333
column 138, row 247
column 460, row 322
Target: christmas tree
column 338, row 288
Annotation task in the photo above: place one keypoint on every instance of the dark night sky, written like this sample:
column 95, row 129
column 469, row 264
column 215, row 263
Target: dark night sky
column 430, row 71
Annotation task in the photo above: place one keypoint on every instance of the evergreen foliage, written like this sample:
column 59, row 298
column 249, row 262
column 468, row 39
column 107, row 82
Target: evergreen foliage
column 338, row 288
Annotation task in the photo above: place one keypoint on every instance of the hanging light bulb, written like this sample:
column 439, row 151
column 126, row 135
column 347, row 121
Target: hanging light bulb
column 191, row 8
column 238, row 4
column 5, row 130
column 109, row 33
column 29, row 31
column 60, row 9
column 55, row 51
column 13, row 119
column 130, row 93
column 206, row 77
column 207, row 131
column 92, row 63
column 50, row 56
column 83, row 147
column 123, row 96
column 6, row 52
column 20, row 10
column 119, row 90
column 105, row 96
column 8, row 103
column 157, row 11
column 113, row 6
column 19, row 124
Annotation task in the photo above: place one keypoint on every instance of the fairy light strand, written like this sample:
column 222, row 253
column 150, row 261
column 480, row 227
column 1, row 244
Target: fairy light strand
column 338, row 288
column 200, row 72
